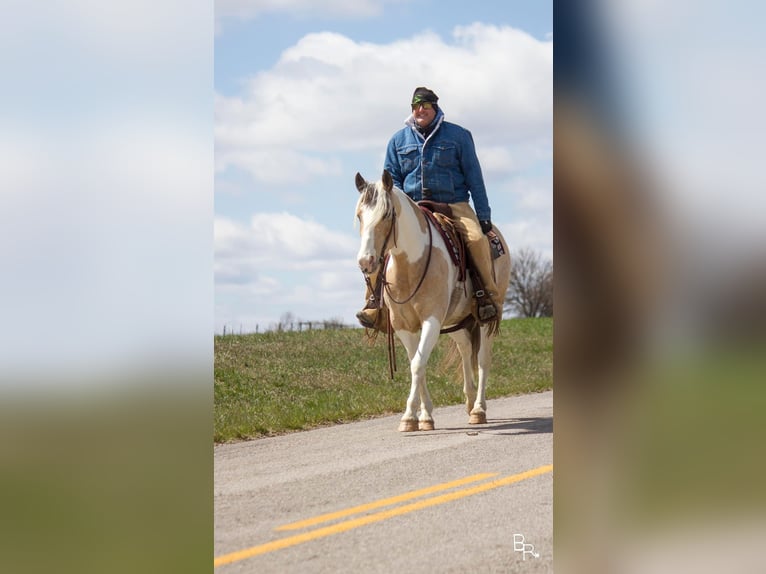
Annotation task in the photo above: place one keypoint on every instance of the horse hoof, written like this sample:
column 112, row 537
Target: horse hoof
column 408, row 426
column 425, row 425
column 478, row 419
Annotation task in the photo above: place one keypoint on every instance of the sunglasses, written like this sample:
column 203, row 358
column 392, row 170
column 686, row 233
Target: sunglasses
column 424, row 105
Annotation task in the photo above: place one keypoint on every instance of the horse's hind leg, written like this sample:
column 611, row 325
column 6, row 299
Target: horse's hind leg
column 463, row 343
column 478, row 414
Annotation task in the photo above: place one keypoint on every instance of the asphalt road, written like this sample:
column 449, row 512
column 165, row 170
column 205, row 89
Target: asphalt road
column 363, row 497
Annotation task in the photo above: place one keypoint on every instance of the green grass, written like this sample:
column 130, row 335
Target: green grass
column 272, row 383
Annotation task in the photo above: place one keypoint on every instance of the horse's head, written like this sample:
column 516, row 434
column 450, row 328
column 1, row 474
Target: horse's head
column 375, row 212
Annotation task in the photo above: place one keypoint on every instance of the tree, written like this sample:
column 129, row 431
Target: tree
column 530, row 293
column 286, row 321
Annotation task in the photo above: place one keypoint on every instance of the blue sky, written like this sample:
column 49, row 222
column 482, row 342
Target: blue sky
column 307, row 93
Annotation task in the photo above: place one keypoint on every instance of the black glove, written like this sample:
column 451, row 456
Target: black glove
column 486, row 226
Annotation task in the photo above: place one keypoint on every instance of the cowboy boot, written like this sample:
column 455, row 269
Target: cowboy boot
column 367, row 318
column 374, row 319
column 486, row 307
column 487, row 310
column 374, row 313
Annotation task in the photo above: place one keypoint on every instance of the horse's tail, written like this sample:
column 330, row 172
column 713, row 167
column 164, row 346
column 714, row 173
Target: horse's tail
column 452, row 361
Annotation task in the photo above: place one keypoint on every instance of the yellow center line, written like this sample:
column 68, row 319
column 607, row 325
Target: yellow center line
column 377, row 517
column 385, row 502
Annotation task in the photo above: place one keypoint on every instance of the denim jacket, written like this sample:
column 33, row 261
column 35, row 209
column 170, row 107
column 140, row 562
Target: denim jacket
column 442, row 167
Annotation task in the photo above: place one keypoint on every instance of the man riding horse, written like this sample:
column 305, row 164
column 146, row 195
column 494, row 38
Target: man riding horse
column 432, row 159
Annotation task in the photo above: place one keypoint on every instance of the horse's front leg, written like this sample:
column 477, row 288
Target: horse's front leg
column 419, row 350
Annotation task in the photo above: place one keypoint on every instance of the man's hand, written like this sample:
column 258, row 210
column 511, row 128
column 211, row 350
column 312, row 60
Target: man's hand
column 486, row 226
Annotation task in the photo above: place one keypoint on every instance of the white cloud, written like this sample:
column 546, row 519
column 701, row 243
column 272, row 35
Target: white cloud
column 533, row 233
column 279, row 166
column 277, row 241
column 328, row 94
column 500, row 161
column 278, row 262
column 536, row 194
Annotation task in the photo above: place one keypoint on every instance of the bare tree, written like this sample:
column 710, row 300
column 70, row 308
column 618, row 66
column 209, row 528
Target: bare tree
column 286, row 321
column 530, row 293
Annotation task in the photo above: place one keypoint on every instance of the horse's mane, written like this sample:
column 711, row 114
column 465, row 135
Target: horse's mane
column 375, row 198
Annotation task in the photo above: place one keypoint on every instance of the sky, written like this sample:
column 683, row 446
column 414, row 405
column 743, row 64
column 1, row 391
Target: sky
column 308, row 93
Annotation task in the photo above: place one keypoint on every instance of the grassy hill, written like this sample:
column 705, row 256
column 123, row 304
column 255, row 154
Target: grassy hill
column 276, row 382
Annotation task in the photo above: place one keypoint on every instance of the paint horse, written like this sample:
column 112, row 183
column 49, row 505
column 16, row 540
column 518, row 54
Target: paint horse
column 424, row 294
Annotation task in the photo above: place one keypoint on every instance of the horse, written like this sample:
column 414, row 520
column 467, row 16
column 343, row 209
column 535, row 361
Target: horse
column 425, row 294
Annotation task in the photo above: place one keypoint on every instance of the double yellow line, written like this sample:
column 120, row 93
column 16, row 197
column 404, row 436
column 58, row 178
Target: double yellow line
column 378, row 516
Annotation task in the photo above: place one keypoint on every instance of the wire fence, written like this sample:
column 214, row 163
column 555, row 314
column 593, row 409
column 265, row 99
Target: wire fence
column 299, row 326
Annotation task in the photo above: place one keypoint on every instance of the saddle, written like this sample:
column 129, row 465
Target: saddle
column 440, row 214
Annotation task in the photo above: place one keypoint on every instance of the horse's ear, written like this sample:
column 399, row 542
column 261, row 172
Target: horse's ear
column 388, row 181
column 361, row 184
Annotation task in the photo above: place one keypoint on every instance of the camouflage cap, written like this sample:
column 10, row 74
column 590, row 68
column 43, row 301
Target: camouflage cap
column 424, row 95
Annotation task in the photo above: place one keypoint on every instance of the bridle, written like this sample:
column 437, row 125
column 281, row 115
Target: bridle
column 385, row 252
column 387, row 285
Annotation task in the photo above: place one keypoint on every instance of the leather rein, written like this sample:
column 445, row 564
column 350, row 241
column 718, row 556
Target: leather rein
column 386, row 284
